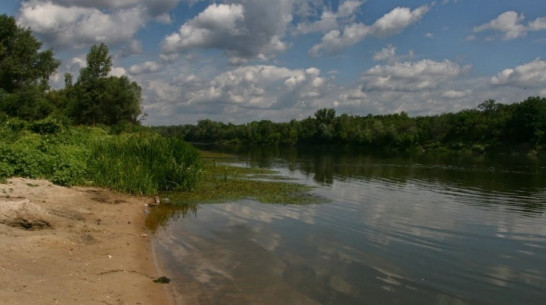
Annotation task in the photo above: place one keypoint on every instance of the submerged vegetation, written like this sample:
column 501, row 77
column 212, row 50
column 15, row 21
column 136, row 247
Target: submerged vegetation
column 224, row 181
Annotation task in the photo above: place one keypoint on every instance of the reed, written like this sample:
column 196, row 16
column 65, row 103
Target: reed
column 145, row 165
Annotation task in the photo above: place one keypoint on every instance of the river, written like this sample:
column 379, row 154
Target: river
column 430, row 229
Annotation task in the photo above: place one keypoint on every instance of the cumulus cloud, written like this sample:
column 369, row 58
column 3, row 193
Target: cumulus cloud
column 330, row 20
column 510, row 25
column 529, row 75
column 241, row 91
column 244, row 31
column 78, row 26
column 391, row 23
column 145, row 67
column 79, row 23
column 456, row 94
column 398, row 19
column 385, row 54
column 411, row 76
column 538, row 24
column 155, row 8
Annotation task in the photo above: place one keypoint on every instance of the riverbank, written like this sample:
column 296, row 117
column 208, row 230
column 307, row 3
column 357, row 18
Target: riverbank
column 75, row 246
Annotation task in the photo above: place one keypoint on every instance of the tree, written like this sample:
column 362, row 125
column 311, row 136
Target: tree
column 22, row 64
column 99, row 64
column 528, row 122
column 103, row 99
column 24, row 72
column 325, row 118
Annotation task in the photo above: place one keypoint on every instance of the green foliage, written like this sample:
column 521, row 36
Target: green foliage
column 35, row 156
column 489, row 127
column 24, row 72
column 97, row 98
column 99, row 63
column 22, row 64
column 28, row 104
column 143, row 165
column 45, row 127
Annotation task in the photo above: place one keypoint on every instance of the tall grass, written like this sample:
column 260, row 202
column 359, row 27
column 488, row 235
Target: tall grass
column 144, row 165
column 140, row 163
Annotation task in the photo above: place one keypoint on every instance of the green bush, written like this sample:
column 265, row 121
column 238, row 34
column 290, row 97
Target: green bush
column 45, row 127
column 143, row 163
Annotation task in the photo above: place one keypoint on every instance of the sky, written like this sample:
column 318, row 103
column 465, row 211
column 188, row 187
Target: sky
column 245, row 60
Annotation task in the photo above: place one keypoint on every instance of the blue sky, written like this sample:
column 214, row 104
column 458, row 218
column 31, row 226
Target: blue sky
column 243, row 60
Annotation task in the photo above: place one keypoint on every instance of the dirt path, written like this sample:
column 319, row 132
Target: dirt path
column 74, row 246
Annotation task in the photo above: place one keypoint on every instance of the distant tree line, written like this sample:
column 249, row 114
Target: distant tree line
column 94, row 98
column 491, row 126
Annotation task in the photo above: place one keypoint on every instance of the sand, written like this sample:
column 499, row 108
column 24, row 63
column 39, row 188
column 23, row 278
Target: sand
column 75, row 245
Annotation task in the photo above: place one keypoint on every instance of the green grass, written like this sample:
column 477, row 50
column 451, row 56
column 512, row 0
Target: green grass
column 141, row 162
column 138, row 163
column 144, row 165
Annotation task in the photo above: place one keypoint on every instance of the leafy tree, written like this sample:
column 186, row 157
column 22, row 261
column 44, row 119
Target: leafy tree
column 102, row 99
column 529, row 121
column 22, row 64
column 99, row 64
column 24, row 72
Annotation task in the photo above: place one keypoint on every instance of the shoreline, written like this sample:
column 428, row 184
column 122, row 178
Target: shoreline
column 79, row 245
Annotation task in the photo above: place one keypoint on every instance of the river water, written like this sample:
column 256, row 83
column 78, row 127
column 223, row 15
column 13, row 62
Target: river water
column 394, row 230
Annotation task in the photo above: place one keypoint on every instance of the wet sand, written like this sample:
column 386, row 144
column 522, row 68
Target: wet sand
column 75, row 246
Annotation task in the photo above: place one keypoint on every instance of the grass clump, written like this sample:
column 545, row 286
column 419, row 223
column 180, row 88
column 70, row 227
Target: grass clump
column 143, row 165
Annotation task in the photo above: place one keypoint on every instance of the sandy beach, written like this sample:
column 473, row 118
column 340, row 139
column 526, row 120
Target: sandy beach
column 75, row 246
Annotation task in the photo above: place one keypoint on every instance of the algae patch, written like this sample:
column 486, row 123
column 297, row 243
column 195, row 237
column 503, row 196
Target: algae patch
column 223, row 180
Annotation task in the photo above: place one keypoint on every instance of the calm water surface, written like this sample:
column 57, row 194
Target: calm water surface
column 396, row 230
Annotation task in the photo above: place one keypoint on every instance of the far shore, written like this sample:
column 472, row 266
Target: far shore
column 75, row 246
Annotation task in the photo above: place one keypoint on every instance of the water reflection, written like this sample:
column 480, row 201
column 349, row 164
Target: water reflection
column 226, row 258
column 395, row 232
column 516, row 181
column 162, row 215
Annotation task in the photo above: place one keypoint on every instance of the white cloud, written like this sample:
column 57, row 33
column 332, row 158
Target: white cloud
column 398, row 19
column 65, row 24
column 330, row 20
column 145, row 67
column 78, row 26
column 510, row 24
column 538, row 24
column 247, row 30
column 207, row 29
column 335, row 41
column 529, row 75
column 154, row 8
column 391, row 23
column 456, row 94
column 411, row 76
column 387, row 53
column 117, row 71
column 264, row 89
